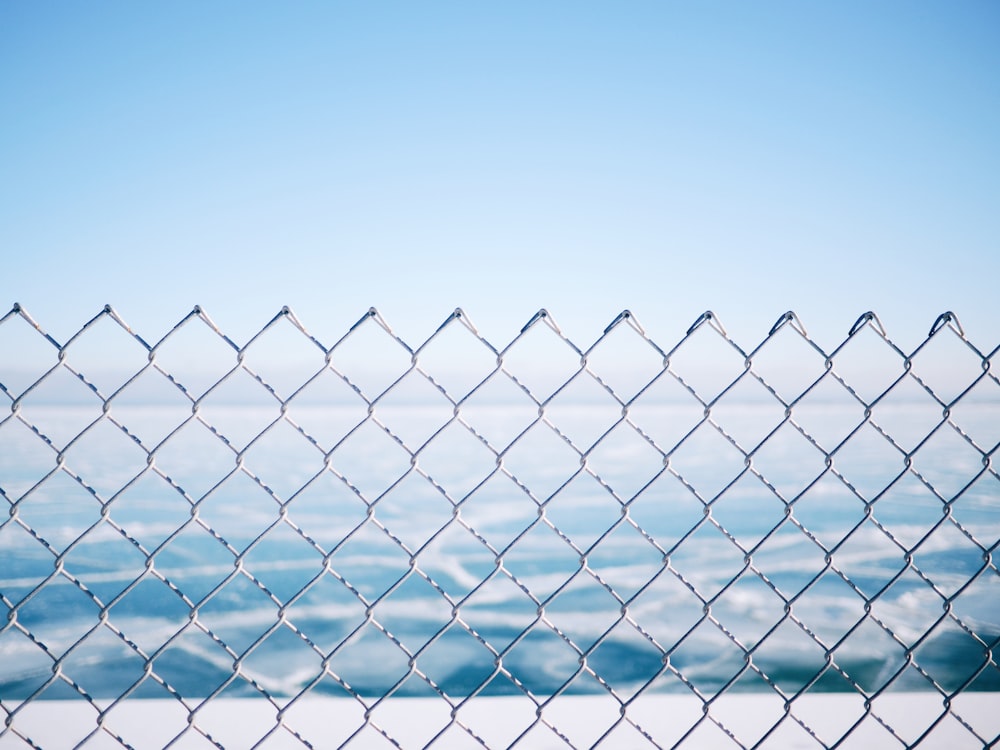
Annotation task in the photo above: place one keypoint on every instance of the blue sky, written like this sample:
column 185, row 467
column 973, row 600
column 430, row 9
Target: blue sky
column 585, row 157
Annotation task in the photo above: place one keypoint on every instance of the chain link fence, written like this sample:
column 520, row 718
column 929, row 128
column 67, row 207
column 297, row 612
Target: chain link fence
column 539, row 523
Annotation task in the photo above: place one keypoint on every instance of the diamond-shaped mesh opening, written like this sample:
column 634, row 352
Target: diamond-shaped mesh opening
column 625, row 560
column 35, row 356
column 283, row 458
column 370, row 561
column 542, row 561
column 326, row 510
column 828, row 510
column 666, row 609
column 60, row 510
column 748, row 608
column 977, row 511
column 623, row 344
column 788, row 364
column 868, row 462
column 708, row 658
column 195, row 357
column 194, row 561
column 907, row 414
column 748, row 510
column 106, row 355
column 370, row 358
column 870, row 656
column 104, row 665
column 869, row 559
column 457, row 461
column 707, row 462
column 150, row 408
column 666, row 511
column 327, row 613
column 283, row 358
column 29, row 459
column 105, row 562
column 708, row 560
column 79, row 614
column 499, row 411
column 631, row 658
column 829, row 608
column 947, row 462
column 26, row 665
column 947, row 365
column 195, row 460
column 194, row 664
column 867, row 365
column 583, row 610
column 540, row 344
column 149, row 614
column 499, row 611
column 28, row 563
column 283, row 562
column 541, row 479
column 413, row 511
column 707, row 363
column 414, row 410
column 171, row 720
column 908, row 510
column 748, row 413
column 978, row 605
column 238, row 510
column 371, row 460
column 583, row 411
column 238, row 410
column 625, row 461
column 456, row 561
column 949, row 559
column 327, row 408
column 789, row 462
column 542, row 661
column 283, row 663
column 60, row 407
column 456, row 360
column 666, row 412
column 457, row 662
column 978, row 414
column 370, row 661
column 106, row 459
column 789, row 559
column 828, row 413
column 583, row 510
column 406, row 612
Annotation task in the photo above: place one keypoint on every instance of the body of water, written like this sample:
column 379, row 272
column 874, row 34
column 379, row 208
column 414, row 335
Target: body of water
column 498, row 552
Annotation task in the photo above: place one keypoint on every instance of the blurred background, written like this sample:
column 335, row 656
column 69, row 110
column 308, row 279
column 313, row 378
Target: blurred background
column 583, row 157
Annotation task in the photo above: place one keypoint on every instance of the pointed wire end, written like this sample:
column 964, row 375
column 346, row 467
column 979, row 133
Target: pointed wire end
column 540, row 315
column 108, row 309
column 866, row 318
column 788, row 317
column 17, row 307
column 703, row 318
column 623, row 315
column 944, row 319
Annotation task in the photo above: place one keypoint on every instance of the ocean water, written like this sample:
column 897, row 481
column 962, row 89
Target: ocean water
column 500, row 553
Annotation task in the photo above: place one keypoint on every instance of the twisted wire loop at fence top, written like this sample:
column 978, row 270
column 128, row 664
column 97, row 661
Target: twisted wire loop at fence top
column 710, row 485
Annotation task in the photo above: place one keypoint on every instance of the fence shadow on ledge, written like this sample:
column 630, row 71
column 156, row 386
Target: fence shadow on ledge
column 546, row 525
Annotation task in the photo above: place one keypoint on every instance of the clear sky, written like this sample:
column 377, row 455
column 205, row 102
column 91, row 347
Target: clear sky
column 666, row 157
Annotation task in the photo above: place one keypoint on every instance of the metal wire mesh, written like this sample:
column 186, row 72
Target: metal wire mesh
column 534, row 521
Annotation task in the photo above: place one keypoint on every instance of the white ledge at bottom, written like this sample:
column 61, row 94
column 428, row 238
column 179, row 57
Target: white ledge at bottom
column 499, row 722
